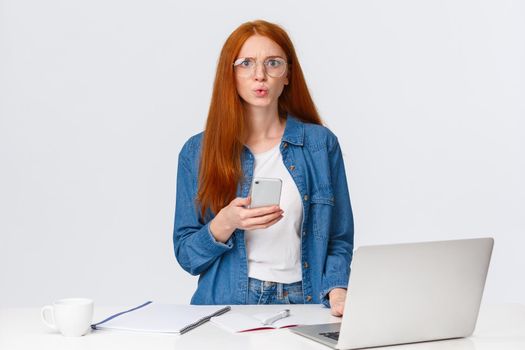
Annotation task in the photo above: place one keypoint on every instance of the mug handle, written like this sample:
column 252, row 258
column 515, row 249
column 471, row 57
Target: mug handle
column 44, row 319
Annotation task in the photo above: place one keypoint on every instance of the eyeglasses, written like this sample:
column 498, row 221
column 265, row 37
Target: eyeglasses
column 274, row 67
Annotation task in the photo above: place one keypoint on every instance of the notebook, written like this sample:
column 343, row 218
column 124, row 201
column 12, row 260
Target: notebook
column 235, row 322
column 161, row 318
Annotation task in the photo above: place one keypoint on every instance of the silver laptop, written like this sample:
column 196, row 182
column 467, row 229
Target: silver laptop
column 406, row 293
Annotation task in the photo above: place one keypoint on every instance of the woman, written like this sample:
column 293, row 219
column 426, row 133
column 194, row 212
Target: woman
column 262, row 122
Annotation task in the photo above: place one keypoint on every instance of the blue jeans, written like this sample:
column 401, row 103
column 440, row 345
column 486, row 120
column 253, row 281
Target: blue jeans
column 263, row 292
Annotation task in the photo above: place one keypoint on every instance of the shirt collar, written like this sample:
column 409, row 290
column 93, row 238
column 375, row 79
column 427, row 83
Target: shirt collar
column 294, row 131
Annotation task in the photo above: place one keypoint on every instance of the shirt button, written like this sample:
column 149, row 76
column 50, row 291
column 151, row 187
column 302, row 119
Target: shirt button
column 292, row 167
column 304, row 233
column 305, row 197
column 285, row 145
column 308, row 298
column 305, row 265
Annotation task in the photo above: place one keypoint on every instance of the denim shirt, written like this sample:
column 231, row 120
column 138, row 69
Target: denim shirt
column 312, row 155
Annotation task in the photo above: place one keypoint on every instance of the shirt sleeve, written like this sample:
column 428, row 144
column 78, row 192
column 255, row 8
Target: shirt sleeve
column 341, row 240
column 195, row 247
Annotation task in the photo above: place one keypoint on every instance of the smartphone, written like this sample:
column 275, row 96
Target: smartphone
column 265, row 192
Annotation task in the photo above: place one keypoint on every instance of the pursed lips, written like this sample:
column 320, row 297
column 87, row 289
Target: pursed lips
column 261, row 91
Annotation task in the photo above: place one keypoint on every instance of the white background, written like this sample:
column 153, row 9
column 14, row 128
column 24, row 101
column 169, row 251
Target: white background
column 97, row 98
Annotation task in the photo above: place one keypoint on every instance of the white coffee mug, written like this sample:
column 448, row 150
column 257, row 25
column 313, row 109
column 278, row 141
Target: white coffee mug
column 72, row 317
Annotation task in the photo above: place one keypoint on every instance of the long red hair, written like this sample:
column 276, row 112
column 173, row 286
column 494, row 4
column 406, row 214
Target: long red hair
column 220, row 166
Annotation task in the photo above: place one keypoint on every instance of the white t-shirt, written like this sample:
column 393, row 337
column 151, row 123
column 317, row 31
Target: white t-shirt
column 274, row 253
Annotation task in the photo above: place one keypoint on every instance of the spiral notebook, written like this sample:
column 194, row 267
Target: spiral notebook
column 161, row 318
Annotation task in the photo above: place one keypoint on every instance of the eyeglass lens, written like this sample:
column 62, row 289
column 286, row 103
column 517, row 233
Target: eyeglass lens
column 274, row 67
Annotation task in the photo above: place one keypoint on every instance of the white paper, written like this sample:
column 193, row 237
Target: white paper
column 162, row 318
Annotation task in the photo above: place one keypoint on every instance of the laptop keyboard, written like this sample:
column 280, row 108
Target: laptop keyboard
column 331, row 335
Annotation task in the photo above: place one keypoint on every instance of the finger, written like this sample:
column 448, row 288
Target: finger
column 255, row 212
column 337, row 309
column 336, row 313
column 261, row 220
column 261, row 226
column 241, row 202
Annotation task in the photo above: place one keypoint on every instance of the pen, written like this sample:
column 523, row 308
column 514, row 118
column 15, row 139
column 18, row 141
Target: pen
column 278, row 316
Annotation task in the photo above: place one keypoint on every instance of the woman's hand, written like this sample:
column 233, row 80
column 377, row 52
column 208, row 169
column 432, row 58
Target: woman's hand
column 337, row 297
column 236, row 216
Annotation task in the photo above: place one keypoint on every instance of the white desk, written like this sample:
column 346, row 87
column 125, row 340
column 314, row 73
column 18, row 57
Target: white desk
column 499, row 327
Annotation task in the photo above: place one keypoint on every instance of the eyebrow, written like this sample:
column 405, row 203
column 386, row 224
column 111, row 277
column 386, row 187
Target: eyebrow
column 253, row 58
